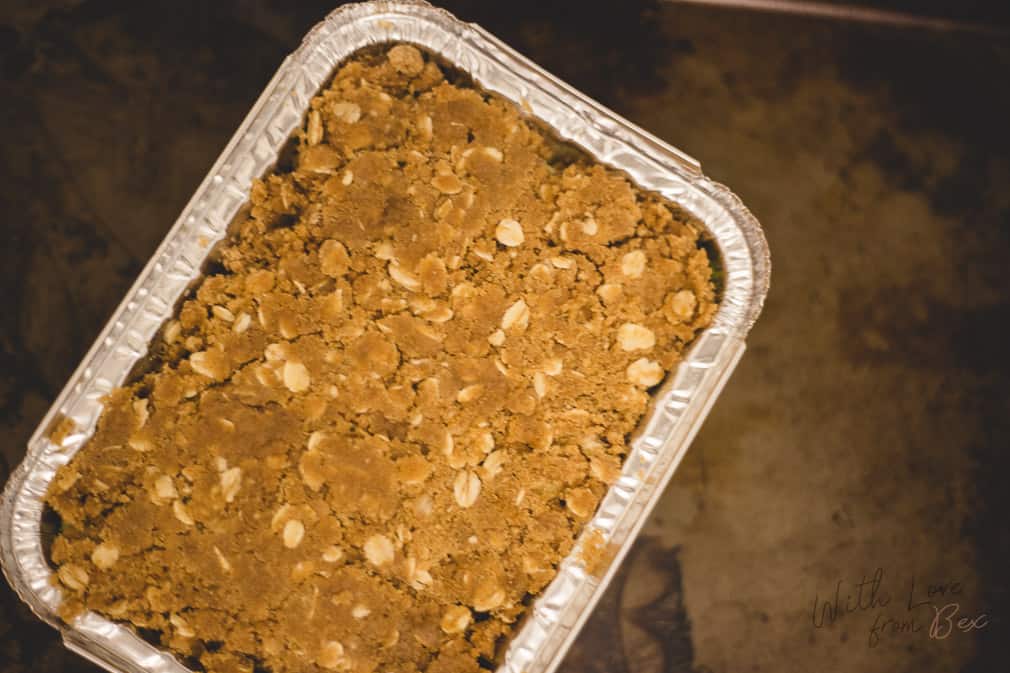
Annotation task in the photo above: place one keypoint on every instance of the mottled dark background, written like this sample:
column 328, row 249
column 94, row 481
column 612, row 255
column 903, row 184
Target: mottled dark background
column 868, row 425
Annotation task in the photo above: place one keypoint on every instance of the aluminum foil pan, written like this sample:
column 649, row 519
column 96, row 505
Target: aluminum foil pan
column 661, row 441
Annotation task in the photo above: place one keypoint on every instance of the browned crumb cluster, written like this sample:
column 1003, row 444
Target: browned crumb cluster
column 369, row 439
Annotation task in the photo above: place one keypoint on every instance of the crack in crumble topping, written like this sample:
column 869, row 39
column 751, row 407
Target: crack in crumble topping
column 376, row 427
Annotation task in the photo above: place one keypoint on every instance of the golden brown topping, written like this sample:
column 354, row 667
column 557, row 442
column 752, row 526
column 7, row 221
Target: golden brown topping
column 396, row 401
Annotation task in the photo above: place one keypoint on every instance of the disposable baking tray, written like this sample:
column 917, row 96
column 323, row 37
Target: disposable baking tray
column 660, row 442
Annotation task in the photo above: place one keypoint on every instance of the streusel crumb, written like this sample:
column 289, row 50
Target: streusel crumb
column 371, row 433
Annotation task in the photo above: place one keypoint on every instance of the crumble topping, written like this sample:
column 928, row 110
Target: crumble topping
column 382, row 418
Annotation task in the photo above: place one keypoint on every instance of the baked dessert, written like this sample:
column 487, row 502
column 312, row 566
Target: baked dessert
column 404, row 383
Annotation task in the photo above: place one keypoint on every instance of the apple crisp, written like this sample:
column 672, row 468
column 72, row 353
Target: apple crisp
column 382, row 417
